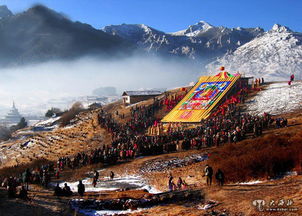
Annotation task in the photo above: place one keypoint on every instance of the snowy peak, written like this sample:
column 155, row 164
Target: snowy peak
column 198, row 28
column 201, row 40
column 5, row 12
column 280, row 29
column 274, row 55
column 127, row 31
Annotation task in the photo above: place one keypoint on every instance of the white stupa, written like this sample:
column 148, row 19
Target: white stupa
column 13, row 116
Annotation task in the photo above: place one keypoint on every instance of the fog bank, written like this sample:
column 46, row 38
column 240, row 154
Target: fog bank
column 33, row 86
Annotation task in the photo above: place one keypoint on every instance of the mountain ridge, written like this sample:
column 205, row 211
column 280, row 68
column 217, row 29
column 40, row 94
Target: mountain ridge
column 275, row 55
column 199, row 41
column 40, row 34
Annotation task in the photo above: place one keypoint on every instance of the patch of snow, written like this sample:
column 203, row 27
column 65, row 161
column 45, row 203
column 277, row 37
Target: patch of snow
column 105, row 184
column 198, row 28
column 284, row 175
column 27, row 144
column 291, row 173
column 70, row 126
column 90, row 212
column 280, row 28
column 209, row 204
column 160, row 165
column 47, row 122
column 20, row 132
column 278, row 98
column 250, row 182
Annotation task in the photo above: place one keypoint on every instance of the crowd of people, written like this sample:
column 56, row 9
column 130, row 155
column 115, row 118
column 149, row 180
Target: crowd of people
column 208, row 173
column 41, row 175
column 171, row 101
column 231, row 126
column 129, row 140
column 179, row 185
column 257, row 82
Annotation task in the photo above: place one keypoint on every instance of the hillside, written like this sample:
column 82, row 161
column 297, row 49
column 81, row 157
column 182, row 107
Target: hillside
column 27, row 145
column 225, row 199
column 268, row 170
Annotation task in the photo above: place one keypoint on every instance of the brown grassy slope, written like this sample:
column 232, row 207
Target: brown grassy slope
column 236, row 199
column 83, row 135
column 263, row 157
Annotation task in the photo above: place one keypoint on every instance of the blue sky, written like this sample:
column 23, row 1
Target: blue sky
column 174, row 15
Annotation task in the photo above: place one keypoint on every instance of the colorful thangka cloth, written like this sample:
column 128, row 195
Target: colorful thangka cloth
column 202, row 98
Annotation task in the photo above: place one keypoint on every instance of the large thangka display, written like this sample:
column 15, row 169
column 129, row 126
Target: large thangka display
column 204, row 95
column 202, row 98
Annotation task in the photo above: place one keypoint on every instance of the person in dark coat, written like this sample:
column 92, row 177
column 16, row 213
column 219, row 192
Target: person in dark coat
column 170, row 182
column 111, row 175
column 11, row 187
column 95, row 178
column 66, row 190
column 23, row 194
column 58, row 190
column 26, row 177
column 219, row 177
column 208, row 172
column 81, row 188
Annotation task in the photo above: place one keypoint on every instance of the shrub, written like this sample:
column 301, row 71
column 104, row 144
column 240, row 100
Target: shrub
column 264, row 157
column 53, row 111
column 71, row 113
column 5, row 133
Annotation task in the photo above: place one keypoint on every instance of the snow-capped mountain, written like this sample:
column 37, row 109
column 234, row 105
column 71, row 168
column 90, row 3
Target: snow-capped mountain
column 140, row 34
column 194, row 30
column 275, row 55
column 201, row 40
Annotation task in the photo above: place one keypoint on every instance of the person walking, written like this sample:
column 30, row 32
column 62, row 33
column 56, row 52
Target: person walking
column 81, row 188
column 208, row 172
column 170, row 182
column 95, row 178
column 111, row 175
column 219, row 177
